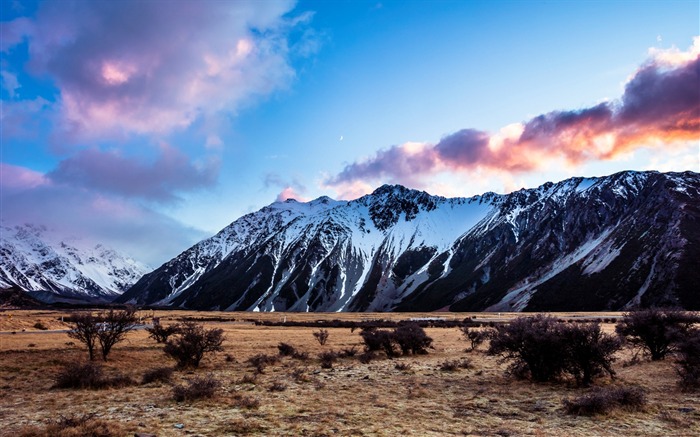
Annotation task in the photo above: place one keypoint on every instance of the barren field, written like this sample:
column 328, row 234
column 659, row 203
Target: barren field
column 298, row 397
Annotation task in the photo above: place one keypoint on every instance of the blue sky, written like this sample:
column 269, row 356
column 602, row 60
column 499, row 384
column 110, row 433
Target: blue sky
column 149, row 128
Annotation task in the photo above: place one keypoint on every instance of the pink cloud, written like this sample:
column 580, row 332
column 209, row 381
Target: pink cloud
column 290, row 193
column 134, row 67
column 20, row 178
column 660, row 107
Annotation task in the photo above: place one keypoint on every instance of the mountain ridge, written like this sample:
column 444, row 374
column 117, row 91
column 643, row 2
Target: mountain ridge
column 399, row 249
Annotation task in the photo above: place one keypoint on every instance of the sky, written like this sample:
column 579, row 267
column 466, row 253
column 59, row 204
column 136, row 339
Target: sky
column 149, row 125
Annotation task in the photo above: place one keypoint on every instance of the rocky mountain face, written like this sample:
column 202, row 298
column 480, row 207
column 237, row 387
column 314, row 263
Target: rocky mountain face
column 52, row 268
column 606, row 243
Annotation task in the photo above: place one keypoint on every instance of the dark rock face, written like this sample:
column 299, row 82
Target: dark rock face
column 610, row 243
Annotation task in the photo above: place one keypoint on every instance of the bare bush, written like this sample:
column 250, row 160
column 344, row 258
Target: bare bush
column 286, row 349
column 89, row 375
column 328, row 358
column 347, row 352
column 106, row 329
column 544, row 348
column 366, row 357
column 247, row 402
column 277, row 386
column 321, row 336
column 161, row 333
column 655, row 331
column 196, row 388
column 260, row 361
column 159, row 374
column 688, row 363
column 40, row 325
column 75, row 425
column 191, row 342
column 412, row 339
column 603, row 400
column 402, row 366
column 474, row 336
column 453, row 365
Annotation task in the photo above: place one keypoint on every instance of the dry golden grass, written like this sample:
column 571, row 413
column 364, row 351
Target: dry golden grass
column 350, row 399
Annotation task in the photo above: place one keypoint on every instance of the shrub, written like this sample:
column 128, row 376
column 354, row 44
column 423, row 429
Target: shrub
column 453, row 365
column 106, row 329
column 688, row 364
column 655, row 331
column 604, row 400
column 347, row 352
column 79, row 375
column 160, row 374
column 286, row 350
column 412, row 339
column 378, row 339
column 366, row 357
column 328, row 358
column 321, row 336
column 246, row 402
column 402, row 366
column 161, row 333
column 89, row 375
column 74, row 425
column 260, row 361
column 277, row 386
column 40, row 325
column 197, row 388
column 545, row 349
column 588, row 352
column 534, row 346
column 474, row 336
column 191, row 342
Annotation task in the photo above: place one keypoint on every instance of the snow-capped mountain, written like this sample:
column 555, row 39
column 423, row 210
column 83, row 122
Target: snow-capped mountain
column 606, row 243
column 50, row 267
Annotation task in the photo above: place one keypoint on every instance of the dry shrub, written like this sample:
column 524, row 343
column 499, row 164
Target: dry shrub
column 247, row 402
column 328, row 358
column 347, row 352
column 300, row 375
column 75, row 426
column 161, row 333
column 40, row 325
column 402, row 366
column 321, row 336
column 655, row 331
column 249, row 379
column 277, row 386
column 191, row 342
column 197, row 388
column 474, row 336
column 159, row 374
column 286, row 349
column 260, row 361
column 453, row 365
column 688, row 364
column 603, row 400
column 366, row 357
column 89, row 375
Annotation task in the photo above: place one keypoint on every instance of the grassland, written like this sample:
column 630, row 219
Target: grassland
column 350, row 399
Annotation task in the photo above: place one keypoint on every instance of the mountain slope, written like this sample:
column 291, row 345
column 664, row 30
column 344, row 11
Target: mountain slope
column 50, row 267
column 589, row 244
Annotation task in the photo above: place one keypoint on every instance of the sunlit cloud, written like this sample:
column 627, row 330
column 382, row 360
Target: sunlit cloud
column 659, row 109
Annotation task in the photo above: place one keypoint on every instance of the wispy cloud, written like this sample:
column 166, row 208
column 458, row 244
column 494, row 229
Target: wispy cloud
column 660, row 107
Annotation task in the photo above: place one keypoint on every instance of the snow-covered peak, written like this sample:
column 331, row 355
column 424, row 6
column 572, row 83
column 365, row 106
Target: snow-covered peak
column 36, row 258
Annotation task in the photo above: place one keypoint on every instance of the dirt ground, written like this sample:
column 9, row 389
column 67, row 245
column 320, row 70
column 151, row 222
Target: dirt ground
column 299, row 398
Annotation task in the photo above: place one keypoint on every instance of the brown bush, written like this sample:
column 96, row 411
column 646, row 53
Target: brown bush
column 260, row 361
column 655, row 331
column 328, row 358
column 191, row 342
column 321, row 336
column 603, row 400
column 160, row 374
column 197, row 388
column 75, row 426
column 688, row 363
column 453, row 365
column 161, row 333
column 89, row 375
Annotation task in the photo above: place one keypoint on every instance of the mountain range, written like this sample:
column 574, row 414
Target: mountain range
column 587, row 244
column 51, row 267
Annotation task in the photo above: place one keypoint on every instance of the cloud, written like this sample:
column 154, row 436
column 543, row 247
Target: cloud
column 660, row 108
column 291, row 189
column 160, row 180
column 135, row 67
column 290, row 193
column 146, row 235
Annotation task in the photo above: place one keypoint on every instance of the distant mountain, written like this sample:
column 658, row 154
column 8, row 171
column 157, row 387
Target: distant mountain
column 608, row 243
column 52, row 268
